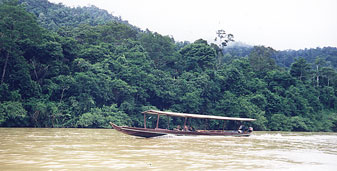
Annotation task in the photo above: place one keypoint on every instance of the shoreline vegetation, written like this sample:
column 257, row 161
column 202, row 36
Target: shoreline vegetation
column 83, row 68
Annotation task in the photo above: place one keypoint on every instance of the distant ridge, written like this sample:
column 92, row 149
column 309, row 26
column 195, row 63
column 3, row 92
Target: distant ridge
column 53, row 16
column 284, row 58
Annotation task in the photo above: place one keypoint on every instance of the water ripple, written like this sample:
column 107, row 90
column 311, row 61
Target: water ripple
column 104, row 149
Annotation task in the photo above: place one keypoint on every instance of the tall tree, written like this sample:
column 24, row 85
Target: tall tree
column 161, row 49
column 223, row 38
column 328, row 74
column 319, row 62
column 261, row 60
column 17, row 27
column 300, row 69
column 198, row 56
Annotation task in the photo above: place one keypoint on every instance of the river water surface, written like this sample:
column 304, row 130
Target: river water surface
column 106, row 149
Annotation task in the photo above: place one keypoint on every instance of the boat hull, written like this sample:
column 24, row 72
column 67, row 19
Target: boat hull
column 136, row 131
column 148, row 133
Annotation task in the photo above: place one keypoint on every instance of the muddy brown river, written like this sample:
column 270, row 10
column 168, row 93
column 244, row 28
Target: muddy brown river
column 106, row 149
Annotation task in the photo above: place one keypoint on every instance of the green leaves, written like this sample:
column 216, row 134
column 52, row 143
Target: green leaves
column 198, row 57
column 300, row 69
column 261, row 60
column 100, row 117
column 161, row 50
column 12, row 114
column 16, row 24
column 280, row 122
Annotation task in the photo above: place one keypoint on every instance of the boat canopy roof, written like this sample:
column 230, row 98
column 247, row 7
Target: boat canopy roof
column 188, row 115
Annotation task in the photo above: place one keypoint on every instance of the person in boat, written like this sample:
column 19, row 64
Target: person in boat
column 242, row 129
column 178, row 128
column 250, row 129
column 186, row 128
column 191, row 128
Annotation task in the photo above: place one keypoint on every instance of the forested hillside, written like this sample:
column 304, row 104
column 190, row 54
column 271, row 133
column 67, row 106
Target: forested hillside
column 55, row 16
column 90, row 74
column 327, row 56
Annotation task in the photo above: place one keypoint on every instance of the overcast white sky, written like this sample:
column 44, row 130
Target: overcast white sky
column 281, row 24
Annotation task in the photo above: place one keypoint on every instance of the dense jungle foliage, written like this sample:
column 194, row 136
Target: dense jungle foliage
column 82, row 67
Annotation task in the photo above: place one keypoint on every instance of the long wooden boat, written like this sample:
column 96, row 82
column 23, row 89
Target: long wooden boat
column 154, row 132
